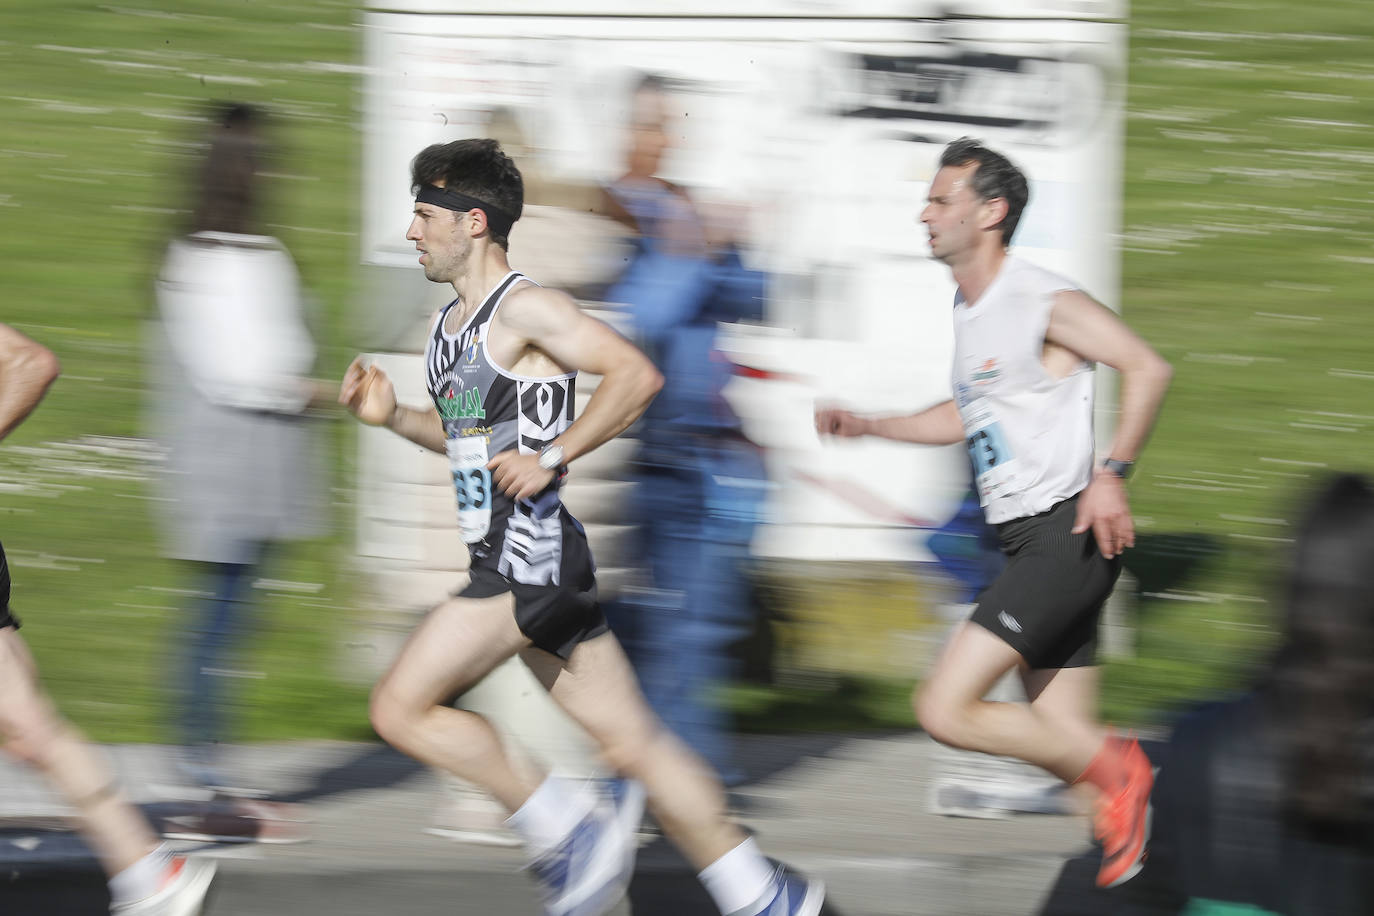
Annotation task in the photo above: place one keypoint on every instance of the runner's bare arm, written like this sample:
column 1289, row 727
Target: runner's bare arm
column 1094, row 332
column 938, row 425
column 421, row 426
column 27, row 369
column 370, row 395
column 551, row 322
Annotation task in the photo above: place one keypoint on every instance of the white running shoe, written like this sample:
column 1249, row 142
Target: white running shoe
column 789, row 894
column 585, row 875
column 182, row 894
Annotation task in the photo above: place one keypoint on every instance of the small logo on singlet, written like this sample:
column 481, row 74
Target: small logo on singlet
column 1008, row 621
column 462, row 405
column 987, row 372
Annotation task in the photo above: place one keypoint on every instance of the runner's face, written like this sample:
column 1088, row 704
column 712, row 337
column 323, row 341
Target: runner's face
column 952, row 212
column 441, row 236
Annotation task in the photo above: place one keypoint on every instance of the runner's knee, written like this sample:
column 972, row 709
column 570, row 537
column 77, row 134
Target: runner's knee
column 629, row 752
column 392, row 719
column 28, row 735
column 939, row 716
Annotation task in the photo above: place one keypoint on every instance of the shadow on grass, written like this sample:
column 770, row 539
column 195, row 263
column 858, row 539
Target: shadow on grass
column 1161, row 563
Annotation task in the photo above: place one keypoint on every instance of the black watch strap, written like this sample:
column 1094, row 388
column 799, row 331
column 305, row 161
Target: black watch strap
column 1118, row 467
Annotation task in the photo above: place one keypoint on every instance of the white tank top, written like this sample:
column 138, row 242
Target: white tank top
column 1030, row 435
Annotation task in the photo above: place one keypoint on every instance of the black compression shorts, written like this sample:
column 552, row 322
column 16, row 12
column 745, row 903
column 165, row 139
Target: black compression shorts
column 7, row 619
column 554, row 617
column 1047, row 601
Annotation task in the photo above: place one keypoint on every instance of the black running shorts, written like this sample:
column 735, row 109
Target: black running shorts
column 1047, row 601
column 7, row 619
column 554, row 617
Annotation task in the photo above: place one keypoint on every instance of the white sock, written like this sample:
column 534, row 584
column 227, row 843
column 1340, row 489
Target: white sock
column 550, row 814
column 143, row 878
column 739, row 878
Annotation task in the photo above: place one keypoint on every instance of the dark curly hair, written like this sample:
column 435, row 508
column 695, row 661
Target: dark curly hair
column 995, row 177
column 475, row 167
column 1322, row 684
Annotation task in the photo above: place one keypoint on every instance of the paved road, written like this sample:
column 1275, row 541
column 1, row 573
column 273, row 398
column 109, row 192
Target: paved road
column 848, row 808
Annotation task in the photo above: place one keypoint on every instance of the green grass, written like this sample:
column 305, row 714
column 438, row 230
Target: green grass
column 1247, row 189
column 848, row 703
column 94, row 152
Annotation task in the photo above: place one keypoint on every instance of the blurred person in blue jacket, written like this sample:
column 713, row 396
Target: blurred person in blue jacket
column 700, row 481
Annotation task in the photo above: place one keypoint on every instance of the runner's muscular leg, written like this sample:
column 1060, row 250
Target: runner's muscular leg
column 951, row 708
column 597, row 687
column 1068, row 696
column 460, row 642
column 32, row 730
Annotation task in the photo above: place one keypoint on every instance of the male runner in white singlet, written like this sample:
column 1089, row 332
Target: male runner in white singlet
column 1025, row 344
column 500, row 367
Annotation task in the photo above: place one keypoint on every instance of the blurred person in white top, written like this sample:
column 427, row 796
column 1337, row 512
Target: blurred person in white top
column 230, row 362
column 1026, row 343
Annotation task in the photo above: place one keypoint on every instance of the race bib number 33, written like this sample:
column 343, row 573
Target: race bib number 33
column 467, row 461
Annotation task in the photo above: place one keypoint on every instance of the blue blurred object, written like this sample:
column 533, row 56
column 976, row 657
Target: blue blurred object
column 966, row 548
column 700, row 483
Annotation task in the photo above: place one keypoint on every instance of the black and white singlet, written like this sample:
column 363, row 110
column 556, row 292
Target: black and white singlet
column 485, row 410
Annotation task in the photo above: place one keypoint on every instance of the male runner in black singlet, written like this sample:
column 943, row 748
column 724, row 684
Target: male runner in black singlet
column 500, row 367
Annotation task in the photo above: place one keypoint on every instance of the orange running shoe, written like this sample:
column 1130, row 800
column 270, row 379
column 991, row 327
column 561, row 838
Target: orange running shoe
column 1123, row 820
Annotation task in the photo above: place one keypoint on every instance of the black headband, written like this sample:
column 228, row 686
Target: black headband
column 498, row 220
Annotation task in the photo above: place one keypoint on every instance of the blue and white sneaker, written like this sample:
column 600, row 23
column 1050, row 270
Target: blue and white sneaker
column 789, row 894
column 586, row 874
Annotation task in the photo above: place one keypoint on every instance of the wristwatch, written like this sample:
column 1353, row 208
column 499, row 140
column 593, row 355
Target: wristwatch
column 1118, row 467
column 551, row 458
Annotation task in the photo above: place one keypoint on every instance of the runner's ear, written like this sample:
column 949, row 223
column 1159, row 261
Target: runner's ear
column 994, row 212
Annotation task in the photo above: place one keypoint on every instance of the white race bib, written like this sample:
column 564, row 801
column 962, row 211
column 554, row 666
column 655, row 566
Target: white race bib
column 994, row 465
column 467, row 461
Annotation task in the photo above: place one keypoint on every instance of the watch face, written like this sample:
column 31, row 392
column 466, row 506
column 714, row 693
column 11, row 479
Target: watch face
column 551, row 457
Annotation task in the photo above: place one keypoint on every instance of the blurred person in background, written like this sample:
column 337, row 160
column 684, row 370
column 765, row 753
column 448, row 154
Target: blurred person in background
column 1025, row 345
column 1267, row 800
column 230, row 357
column 145, row 879
column 500, row 369
column 700, row 482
